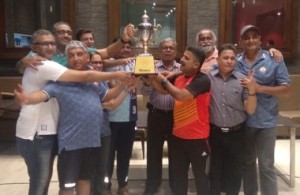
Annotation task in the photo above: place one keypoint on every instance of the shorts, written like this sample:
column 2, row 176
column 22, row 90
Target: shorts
column 76, row 165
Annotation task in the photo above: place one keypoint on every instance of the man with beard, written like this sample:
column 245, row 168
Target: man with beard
column 207, row 40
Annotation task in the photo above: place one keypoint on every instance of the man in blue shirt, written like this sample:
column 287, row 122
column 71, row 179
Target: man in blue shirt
column 272, row 80
column 79, row 123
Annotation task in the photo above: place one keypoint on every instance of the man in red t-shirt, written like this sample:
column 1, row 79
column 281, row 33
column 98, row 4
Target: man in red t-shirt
column 190, row 133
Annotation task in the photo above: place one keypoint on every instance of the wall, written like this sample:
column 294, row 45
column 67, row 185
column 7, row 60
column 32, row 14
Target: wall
column 93, row 14
column 201, row 14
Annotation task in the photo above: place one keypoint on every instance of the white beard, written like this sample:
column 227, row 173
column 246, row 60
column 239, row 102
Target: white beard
column 206, row 48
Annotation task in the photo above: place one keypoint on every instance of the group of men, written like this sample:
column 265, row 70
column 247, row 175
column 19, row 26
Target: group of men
column 222, row 102
column 230, row 115
column 41, row 128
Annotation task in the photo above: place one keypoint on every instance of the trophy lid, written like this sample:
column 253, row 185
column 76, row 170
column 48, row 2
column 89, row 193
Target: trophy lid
column 145, row 23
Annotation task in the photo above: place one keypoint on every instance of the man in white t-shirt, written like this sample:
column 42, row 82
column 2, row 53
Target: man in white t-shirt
column 36, row 125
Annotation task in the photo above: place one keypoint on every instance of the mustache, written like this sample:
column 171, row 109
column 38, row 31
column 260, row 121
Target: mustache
column 206, row 45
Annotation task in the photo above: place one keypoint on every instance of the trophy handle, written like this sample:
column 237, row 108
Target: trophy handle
column 158, row 27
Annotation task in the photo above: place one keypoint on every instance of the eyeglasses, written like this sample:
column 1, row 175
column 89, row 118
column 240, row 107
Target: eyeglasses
column 45, row 44
column 168, row 48
column 62, row 32
column 97, row 62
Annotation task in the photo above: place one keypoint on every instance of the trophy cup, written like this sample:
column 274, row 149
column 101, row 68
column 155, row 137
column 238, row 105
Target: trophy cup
column 144, row 64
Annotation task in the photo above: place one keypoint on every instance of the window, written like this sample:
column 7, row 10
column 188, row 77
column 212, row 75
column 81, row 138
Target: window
column 276, row 20
column 174, row 24
column 19, row 19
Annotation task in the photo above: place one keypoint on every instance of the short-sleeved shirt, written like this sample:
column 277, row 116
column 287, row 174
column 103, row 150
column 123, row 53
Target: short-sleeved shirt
column 105, row 128
column 92, row 49
column 209, row 62
column 227, row 99
column 60, row 58
column 158, row 100
column 39, row 118
column 269, row 73
column 127, row 110
column 191, row 117
column 80, row 116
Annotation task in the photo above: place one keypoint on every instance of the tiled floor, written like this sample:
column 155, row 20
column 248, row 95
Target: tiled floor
column 14, row 179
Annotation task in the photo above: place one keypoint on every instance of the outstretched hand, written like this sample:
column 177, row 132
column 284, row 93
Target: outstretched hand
column 128, row 83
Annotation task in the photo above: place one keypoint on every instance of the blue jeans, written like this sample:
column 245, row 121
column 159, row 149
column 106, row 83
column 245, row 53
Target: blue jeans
column 260, row 143
column 39, row 156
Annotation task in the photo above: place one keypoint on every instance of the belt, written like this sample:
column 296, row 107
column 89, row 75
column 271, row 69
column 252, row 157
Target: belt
column 228, row 129
column 153, row 109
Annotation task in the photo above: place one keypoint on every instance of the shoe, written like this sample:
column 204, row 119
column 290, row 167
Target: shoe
column 123, row 191
column 107, row 192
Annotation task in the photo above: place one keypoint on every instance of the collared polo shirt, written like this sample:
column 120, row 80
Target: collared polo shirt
column 191, row 117
column 60, row 58
column 81, row 114
column 269, row 73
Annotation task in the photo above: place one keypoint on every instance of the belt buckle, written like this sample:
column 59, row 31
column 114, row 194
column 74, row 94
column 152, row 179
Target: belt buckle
column 225, row 129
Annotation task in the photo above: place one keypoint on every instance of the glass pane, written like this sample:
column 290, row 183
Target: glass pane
column 22, row 18
column 268, row 16
column 161, row 13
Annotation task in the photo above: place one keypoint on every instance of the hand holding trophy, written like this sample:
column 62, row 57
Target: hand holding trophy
column 144, row 64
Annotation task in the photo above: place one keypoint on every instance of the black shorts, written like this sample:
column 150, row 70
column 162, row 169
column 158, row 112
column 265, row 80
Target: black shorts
column 76, row 165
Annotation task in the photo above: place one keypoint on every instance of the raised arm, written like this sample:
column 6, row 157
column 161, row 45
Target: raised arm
column 250, row 103
column 112, row 102
column 117, row 62
column 115, row 47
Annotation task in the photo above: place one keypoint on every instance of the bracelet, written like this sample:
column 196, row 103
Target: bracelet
column 251, row 94
column 164, row 84
column 123, row 41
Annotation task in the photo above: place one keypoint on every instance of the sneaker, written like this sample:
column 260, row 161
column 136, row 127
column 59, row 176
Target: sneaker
column 123, row 191
column 107, row 192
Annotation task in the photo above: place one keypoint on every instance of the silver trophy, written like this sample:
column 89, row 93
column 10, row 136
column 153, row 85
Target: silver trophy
column 145, row 31
column 144, row 63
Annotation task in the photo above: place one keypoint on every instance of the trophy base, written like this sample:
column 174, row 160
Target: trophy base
column 144, row 65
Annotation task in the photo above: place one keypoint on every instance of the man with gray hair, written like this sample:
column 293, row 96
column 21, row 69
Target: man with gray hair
column 36, row 126
column 207, row 40
column 160, row 118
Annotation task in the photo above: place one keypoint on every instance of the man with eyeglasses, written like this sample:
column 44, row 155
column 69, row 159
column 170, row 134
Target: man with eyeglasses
column 160, row 118
column 36, row 125
column 63, row 35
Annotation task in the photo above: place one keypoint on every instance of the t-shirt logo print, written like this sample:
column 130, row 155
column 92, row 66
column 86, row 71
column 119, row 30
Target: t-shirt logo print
column 262, row 69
